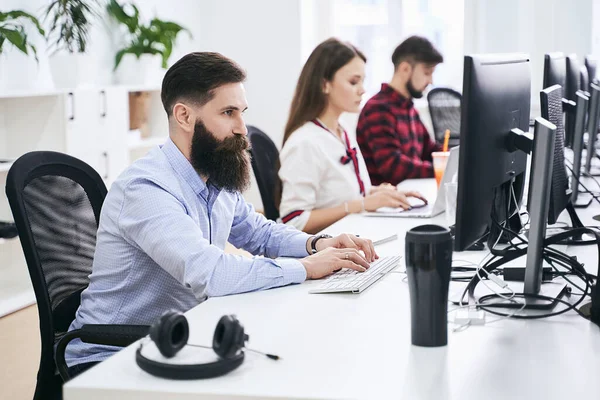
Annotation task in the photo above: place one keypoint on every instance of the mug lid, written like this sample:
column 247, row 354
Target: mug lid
column 429, row 233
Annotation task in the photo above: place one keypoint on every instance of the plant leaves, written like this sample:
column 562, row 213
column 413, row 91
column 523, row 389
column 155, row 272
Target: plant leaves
column 118, row 12
column 157, row 37
column 16, row 37
column 13, row 15
column 71, row 22
column 119, row 56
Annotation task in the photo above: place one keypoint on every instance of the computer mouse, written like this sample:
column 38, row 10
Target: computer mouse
column 416, row 203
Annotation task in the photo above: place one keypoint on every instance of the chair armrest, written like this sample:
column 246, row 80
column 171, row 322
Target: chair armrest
column 110, row 335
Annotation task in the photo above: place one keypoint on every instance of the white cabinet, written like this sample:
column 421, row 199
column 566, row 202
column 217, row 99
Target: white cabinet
column 113, row 126
column 81, row 123
column 96, row 124
column 91, row 124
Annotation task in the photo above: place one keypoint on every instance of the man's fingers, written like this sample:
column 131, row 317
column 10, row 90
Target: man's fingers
column 372, row 247
column 366, row 246
column 354, row 256
column 351, row 265
column 346, row 242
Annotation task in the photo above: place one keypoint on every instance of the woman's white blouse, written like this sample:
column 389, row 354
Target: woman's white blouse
column 314, row 175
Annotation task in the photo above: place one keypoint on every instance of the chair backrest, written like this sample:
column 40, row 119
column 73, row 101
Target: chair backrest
column 584, row 79
column 444, row 108
column 265, row 162
column 55, row 200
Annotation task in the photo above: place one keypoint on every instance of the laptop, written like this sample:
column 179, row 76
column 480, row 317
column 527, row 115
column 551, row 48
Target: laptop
column 419, row 209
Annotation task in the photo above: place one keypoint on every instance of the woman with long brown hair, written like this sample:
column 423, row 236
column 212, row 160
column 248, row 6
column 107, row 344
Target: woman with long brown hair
column 323, row 174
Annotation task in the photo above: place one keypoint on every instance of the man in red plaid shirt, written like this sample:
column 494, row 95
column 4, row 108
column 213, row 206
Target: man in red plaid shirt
column 394, row 142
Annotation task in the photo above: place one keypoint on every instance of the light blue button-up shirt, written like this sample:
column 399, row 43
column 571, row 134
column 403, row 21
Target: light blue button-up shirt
column 160, row 247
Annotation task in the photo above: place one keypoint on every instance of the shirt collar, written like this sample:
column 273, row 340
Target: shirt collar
column 183, row 167
column 395, row 96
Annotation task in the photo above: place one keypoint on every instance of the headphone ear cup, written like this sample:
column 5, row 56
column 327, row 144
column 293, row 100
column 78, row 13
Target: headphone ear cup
column 229, row 337
column 170, row 333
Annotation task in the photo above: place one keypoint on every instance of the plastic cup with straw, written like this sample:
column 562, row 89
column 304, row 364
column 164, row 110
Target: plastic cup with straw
column 440, row 159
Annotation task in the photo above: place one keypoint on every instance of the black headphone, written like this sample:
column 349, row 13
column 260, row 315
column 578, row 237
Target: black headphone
column 170, row 334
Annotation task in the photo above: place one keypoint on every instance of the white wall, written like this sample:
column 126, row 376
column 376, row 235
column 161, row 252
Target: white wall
column 264, row 37
column 535, row 27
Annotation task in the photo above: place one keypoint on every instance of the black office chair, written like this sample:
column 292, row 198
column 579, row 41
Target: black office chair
column 265, row 162
column 444, row 108
column 56, row 200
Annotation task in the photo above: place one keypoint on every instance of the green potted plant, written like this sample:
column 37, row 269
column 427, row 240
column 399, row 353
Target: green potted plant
column 145, row 43
column 14, row 34
column 70, row 22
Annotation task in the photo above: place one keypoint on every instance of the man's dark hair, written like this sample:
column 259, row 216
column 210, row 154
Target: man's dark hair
column 195, row 76
column 416, row 49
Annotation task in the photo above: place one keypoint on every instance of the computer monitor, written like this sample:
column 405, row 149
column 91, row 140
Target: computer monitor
column 572, row 85
column 582, row 101
column 591, row 63
column 496, row 99
column 555, row 70
column 572, row 77
column 541, row 187
column 592, row 126
column 492, row 165
column 584, row 80
column 560, row 193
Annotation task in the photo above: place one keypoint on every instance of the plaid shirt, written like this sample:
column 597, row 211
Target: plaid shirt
column 393, row 140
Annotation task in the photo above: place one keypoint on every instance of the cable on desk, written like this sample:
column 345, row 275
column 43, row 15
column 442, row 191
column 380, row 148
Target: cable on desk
column 575, row 267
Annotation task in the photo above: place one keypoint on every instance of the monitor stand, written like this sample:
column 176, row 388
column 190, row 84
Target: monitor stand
column 542, row 147
column 583, row 200
column 554, row 290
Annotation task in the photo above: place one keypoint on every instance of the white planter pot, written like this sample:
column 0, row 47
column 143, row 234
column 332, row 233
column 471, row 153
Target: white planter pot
column 146, row 70
column 21, row 72
column 73, row 70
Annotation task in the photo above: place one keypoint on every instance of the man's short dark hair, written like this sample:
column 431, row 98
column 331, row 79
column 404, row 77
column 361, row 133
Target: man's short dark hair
column 195, row 76
column 416, row 49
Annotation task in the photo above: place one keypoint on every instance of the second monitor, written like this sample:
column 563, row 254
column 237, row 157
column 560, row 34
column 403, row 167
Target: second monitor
column 496, row 99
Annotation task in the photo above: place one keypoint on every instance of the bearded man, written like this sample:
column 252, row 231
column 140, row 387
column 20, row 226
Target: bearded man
column 394, row 142
column 166, row 220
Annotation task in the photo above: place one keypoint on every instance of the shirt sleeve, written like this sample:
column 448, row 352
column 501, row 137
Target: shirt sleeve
column 156, row 222
column 300, row 175
column 429, row 145
column 381, row 134
column 256, row 234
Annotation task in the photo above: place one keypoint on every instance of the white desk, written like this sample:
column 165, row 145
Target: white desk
column 344, row 346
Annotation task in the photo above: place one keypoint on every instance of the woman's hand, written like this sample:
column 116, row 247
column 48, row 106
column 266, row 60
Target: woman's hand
column 391, row 198
column 382, row 187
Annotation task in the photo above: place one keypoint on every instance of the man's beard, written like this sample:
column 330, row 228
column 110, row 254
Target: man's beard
column 225, row 163
column 414, row 93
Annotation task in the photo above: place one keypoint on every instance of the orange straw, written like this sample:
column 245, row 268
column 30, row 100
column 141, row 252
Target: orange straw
column 446, row 139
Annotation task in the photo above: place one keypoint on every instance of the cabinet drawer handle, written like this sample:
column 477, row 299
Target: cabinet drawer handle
column 72, row 99
column 103, row 103
column 105, row 154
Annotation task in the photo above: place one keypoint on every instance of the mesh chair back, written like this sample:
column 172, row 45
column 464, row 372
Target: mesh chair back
column 444, row 108
column 265, row 161
column 55, row 200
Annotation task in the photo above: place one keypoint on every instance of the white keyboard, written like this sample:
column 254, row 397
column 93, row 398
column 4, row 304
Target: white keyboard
column 349, row 280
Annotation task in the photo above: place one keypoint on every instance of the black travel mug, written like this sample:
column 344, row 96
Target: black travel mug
column 428, row 265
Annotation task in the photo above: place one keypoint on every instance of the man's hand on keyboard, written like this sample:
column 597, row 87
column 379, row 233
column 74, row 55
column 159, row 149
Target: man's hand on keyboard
column 348, row 241
column 330, row 260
